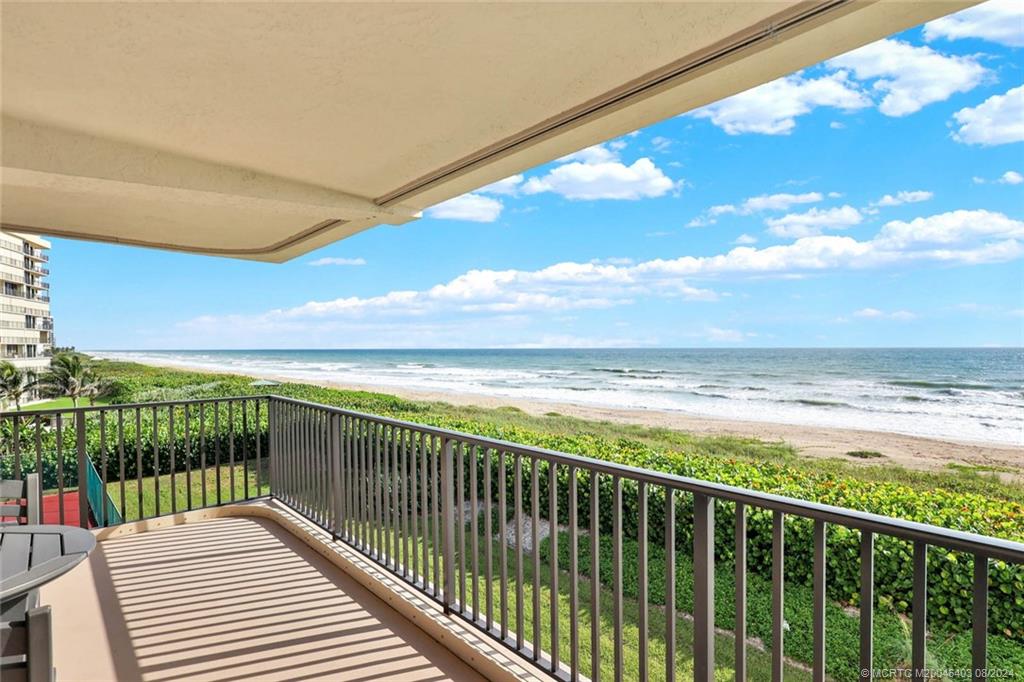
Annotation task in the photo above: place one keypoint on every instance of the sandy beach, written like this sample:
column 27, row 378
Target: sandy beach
column 913, row 452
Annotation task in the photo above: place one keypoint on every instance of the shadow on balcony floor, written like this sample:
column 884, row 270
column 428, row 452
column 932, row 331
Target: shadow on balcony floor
column 230, row 599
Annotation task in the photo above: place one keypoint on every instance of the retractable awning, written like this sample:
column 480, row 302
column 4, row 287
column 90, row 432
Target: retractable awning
column 265, row 130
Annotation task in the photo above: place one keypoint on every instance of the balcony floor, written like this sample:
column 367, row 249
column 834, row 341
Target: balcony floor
column 230, row 599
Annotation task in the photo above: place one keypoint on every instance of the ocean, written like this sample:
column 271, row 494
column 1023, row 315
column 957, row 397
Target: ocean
column 973, row 394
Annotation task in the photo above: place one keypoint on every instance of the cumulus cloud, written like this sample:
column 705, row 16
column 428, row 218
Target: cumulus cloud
column 876, row 314
column 598, row 153
column 772, row 108
column 509, row 186
column 910, row 77
column 904, row 197
column 954, row 227
column 758, row 204
column 998, row 21
column 1011, row 178
column 745, row 239
column 814, row 221
column 997, row 120
column 320, row 262
column 471, row 207
column 579, row 180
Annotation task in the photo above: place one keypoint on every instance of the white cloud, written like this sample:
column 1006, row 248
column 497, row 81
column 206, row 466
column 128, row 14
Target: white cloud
column 909, row 76
column 998, row 21
column 772, row 108
column 876, row 314
column 319, row 262
column 954, row 227
column 814, row 222
column 997, row 120
column 745, row 239
column 1010, row 177
column 603, row 180
column 599, row 153
column 778, row 202
column 661, row 144
column 836, row 125
column 508, row 187
column 472, row 207
column 904, row 197
column 763, row 202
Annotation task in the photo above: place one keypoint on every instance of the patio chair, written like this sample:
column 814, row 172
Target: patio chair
column 21, row 500
column 26, row 642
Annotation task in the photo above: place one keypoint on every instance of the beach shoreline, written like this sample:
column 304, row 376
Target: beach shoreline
column 912, row 452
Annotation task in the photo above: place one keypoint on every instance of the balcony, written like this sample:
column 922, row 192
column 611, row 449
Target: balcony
column 282, row 514
column 34, row 253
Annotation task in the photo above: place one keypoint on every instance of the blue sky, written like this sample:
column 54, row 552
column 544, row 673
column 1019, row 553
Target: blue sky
column 873, row 200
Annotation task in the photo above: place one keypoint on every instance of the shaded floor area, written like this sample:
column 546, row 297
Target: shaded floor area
column 230, row 599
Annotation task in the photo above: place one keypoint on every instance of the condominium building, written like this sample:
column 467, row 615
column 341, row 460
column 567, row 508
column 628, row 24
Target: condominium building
column 26, row 327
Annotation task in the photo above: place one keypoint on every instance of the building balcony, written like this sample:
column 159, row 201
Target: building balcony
column 273, row 538
column 34, row 253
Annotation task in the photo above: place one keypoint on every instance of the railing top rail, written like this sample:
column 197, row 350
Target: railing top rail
column 994, row 548
column 130, row 406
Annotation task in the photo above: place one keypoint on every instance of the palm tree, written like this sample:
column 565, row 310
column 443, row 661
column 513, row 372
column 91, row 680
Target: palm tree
column 14, row 383
column 69, row 377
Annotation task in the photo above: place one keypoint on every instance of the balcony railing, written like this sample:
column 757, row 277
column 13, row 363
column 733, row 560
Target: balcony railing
column 41, row 325
column 19, row 309
column 23, row 263
column 428, row 504
column 34, row 253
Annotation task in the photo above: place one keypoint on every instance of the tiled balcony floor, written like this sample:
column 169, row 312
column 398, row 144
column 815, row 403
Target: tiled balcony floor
column 230, row 599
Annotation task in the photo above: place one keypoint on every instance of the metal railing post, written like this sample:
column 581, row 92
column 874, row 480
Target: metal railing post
column 83, row 497
column 272, row 444
column 448, row 514
column 703, row 588
column 334, row 447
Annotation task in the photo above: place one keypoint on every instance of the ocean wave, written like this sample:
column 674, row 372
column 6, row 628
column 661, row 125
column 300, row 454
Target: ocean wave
column 918, row 383
column 629, row 370
column 814, row 402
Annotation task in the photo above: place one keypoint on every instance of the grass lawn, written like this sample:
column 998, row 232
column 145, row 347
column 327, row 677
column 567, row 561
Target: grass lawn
column 181, row 490
column 62, row 404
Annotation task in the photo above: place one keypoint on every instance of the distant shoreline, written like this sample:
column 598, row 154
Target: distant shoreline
column 913, row 452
